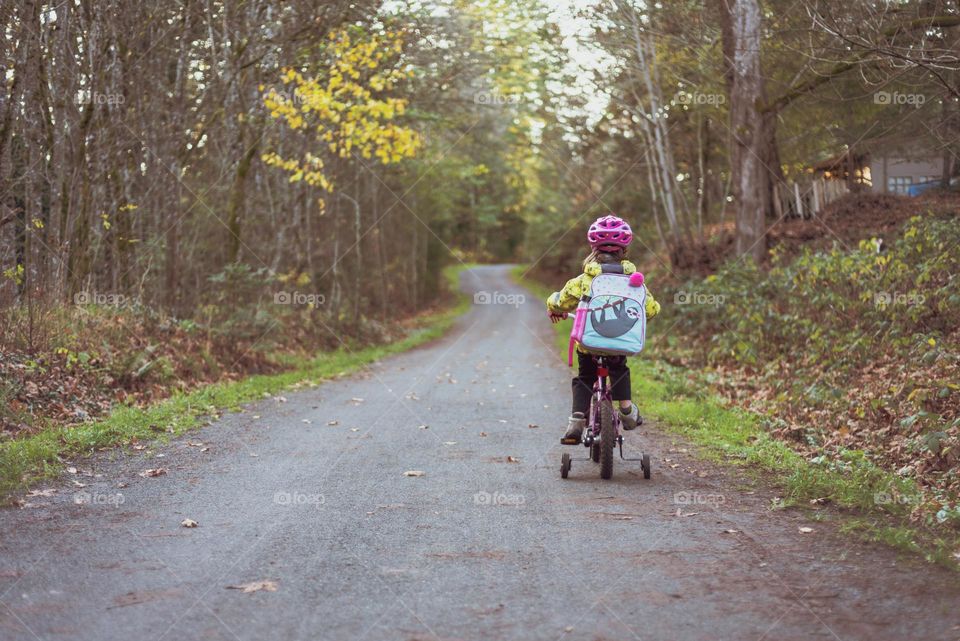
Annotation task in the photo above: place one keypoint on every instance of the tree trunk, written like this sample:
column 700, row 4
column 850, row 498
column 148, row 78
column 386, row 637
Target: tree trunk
column 751, row 185
column 700, row 183
column 237, row 199
column 172, row 255
column 770, row 158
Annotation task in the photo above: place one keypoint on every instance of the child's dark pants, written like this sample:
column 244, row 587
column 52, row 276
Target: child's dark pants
column 587, row 376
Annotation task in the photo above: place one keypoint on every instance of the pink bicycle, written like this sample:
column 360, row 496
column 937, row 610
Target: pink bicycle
column 603, row 433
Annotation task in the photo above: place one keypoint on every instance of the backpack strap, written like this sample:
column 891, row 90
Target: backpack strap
column 612, row 268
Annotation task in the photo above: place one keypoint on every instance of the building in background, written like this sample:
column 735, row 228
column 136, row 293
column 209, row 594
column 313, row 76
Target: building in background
column 883, row 171
column 896, row 174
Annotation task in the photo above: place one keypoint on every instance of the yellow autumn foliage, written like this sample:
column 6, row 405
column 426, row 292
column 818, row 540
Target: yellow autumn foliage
column 347, row 109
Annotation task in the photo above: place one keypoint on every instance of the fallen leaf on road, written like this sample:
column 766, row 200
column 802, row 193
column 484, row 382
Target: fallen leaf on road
column 78, row 484
column 483, row 433
column 731, row 531
column 157, row 471
column 823, row 500
column 47, row 492
column 449, row 442
column 511, row 459
column 135, row 598
column 255, row 586
column 354, row 429
column 72, row 470
column 424, row 427
column 189, row 523
column 139, row 447
column 685, row 514
column 533, row 426
column 414, row 473
column 280, row 399
column 500, row 420
column 307, row 421
column 356, row 401
column 333, row 422
column 806, row 530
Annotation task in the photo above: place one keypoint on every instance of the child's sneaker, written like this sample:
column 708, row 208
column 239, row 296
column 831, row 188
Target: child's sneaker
column 631, row 418
column 574, row 429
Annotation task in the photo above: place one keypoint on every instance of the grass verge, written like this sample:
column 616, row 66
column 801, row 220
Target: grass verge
column 875, row 504
column 30, row 459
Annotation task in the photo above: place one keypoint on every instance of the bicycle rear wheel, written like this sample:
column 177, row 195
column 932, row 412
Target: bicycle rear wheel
column 608, row 439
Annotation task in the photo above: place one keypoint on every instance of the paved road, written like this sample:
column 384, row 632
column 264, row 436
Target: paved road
column 488, row 544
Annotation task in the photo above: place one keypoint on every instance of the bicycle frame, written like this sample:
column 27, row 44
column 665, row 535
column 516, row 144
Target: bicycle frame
column 601, row 392
column 592, row 438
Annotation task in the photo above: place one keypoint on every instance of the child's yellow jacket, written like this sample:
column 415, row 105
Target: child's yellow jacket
column 567, row 299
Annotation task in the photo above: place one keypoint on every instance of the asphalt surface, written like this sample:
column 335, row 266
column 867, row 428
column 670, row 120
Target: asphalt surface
column 308, row 493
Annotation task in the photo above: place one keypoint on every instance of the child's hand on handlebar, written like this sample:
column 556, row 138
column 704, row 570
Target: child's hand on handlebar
column 556, row 317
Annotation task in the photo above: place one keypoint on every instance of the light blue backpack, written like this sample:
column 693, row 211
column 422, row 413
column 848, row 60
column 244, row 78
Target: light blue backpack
column 612, row 318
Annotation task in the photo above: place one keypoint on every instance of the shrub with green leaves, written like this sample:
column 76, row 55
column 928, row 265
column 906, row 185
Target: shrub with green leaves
column 855, row 348
column 831, row 310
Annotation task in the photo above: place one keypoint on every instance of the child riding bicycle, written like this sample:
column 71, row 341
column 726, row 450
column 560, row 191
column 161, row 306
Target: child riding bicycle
column 609, row 238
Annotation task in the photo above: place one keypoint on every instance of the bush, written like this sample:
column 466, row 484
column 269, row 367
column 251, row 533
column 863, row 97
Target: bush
column 851, row 348
column 832, row 310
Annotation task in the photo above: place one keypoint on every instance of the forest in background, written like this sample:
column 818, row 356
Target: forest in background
column 145, row 154
column 137, row 140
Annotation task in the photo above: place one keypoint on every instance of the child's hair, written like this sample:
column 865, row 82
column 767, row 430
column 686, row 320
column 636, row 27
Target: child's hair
column 598, row 256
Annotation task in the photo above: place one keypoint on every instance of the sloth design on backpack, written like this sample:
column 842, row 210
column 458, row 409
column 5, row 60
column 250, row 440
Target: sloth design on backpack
column 611, row 319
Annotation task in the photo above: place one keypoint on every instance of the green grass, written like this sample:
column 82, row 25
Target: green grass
column 27, row 460
column 735, row 437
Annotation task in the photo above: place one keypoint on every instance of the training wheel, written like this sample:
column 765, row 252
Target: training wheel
column 645, row 464
column 565, row 464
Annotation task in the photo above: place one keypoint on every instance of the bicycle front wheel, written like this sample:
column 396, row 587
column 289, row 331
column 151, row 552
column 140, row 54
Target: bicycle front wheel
column 608, row 439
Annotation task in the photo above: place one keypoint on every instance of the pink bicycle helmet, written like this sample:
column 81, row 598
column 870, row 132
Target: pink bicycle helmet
column 609, row 230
